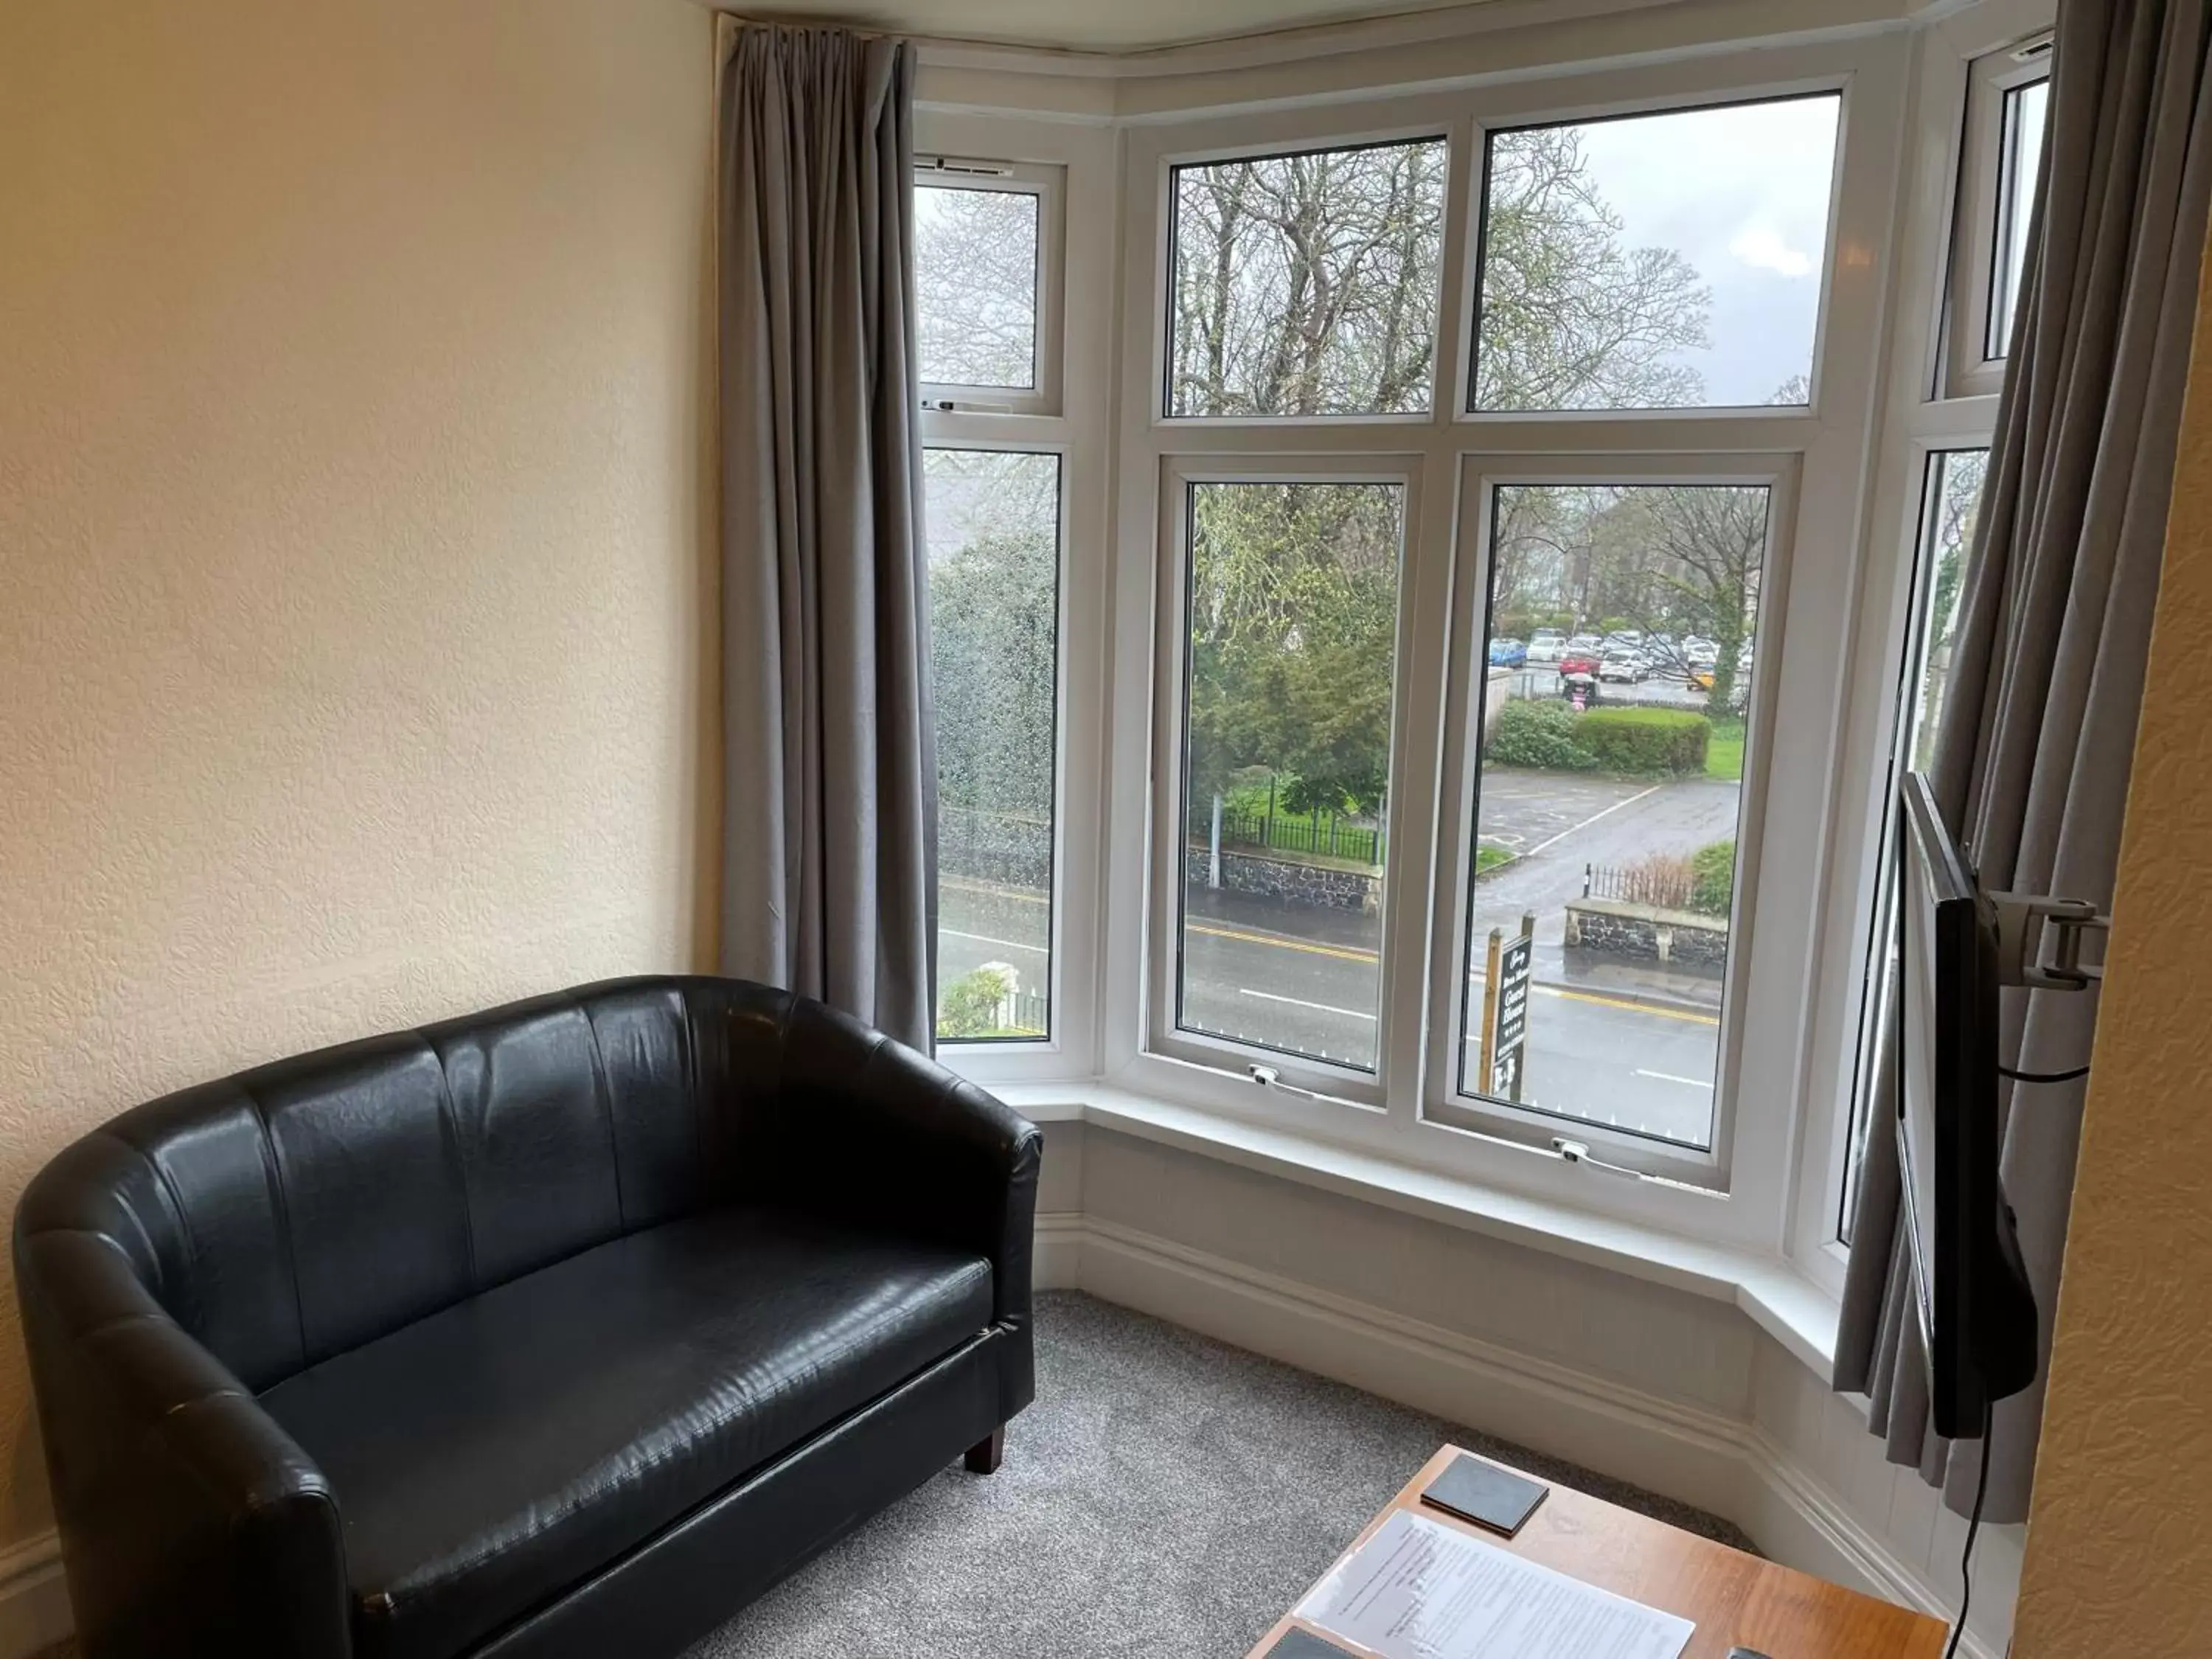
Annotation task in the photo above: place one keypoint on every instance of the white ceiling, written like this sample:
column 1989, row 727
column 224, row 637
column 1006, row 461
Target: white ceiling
column 1112, row 26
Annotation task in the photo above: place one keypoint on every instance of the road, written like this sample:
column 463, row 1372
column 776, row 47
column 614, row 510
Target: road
column 1608, row 1043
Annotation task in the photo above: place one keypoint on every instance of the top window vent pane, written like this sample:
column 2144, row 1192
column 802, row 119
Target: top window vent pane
column 1664, row 261
column 1307, row 284
column 975, row 286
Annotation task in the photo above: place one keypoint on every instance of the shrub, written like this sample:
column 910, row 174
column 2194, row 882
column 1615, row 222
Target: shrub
column 1539, row 734
column 1645, row 742
column 969, row 1008
column 1712, row 869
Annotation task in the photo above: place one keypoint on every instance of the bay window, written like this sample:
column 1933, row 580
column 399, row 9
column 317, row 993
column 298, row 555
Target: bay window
column 1435, row 695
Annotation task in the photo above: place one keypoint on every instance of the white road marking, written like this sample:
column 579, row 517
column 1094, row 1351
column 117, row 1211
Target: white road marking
column 1592, row 818
column 1669, row 1076
column 1003, row 943
column 1300, row 1002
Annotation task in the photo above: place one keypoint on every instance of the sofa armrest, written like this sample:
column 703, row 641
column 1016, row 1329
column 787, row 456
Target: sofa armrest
column 191, row 1521
column 871, row 1131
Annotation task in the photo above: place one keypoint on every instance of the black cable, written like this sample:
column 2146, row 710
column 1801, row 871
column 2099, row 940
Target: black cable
column 1973, row 1526
column 2043, row 1076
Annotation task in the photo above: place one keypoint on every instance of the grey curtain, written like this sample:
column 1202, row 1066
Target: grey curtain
column 829, row 866
column 2038, row 730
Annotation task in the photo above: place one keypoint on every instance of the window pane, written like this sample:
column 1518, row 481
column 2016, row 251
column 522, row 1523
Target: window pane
column 2025, row 108
column 1292, row 609
column 1307, row 284
column 1622, row 625
column 1951, row 499
column 994, row 609
column 1656, row 261
column 975, row 286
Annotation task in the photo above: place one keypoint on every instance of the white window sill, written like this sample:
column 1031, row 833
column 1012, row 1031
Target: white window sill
column 1784, row 1302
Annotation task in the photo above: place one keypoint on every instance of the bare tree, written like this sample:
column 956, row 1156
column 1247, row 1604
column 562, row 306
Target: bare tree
column 1572, row 318
column 975, row 257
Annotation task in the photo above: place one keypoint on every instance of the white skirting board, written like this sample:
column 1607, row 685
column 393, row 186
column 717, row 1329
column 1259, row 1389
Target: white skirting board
column 1720, row 1464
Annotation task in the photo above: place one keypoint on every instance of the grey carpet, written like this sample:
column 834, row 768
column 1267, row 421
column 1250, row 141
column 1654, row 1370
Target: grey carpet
column 1165, row 1494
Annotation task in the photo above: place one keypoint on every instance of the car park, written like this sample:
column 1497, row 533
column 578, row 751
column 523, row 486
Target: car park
column 1508, row 654
column 1545, row 647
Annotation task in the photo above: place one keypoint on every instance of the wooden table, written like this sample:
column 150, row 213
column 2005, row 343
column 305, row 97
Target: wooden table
column 1735, row 1600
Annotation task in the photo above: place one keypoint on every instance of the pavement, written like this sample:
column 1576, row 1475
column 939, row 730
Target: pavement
column 1631, row 1045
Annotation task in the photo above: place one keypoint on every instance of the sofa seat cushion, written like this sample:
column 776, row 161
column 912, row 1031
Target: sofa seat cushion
column 495, row 1453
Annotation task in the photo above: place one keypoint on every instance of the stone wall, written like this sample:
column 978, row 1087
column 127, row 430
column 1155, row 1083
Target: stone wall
column 1320, row 886
column 991, row 846
column 1645, row 933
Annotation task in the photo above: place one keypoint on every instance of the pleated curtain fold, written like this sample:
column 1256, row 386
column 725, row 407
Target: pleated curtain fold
column 829, row 866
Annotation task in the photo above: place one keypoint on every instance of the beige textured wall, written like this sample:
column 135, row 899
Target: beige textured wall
column 353, row 415
column 2119, row 1541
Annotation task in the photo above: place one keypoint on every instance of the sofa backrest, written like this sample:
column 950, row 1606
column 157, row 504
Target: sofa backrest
column 305, row 1207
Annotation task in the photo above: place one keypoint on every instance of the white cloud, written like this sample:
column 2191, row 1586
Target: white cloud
column 1756, row 245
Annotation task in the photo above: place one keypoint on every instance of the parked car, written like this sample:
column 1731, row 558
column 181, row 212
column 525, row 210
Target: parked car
column 1702, row 653
column 1508, row 654
column 1630, row 638
column 1588, row 644
column 1623, row 664
column 1545, row 646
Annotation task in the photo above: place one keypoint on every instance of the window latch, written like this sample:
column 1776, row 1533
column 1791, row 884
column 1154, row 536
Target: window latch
column 1578, row 1151
column 1268, row 1077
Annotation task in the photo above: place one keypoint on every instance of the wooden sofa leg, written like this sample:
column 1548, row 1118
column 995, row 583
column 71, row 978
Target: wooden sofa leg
column 985, row 1455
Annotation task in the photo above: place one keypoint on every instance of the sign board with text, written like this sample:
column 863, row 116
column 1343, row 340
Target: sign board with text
column 1510, row 965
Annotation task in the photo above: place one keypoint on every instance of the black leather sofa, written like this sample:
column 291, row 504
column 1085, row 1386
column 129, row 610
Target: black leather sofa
column 561, row 1329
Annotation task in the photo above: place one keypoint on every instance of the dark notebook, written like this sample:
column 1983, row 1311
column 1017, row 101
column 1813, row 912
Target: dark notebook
column 1485, row 1494
column 1296, row 1644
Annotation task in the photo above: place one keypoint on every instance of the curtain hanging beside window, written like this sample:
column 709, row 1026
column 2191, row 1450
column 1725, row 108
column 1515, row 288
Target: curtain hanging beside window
column 2038, row 730
column 829, row 878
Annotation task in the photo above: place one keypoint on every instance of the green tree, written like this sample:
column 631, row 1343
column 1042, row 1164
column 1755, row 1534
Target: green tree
column 1294, row 596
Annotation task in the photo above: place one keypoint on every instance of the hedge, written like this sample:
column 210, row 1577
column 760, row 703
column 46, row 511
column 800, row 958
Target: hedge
column 1712, row 878
column 1644, row 741
column 1538, row 734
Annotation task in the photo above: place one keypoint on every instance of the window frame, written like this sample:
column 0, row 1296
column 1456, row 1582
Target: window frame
column 1924, row 409
column 1485, row 135
column 1080, row 161
column 1047, row 183
column 1832, row 434
column 1049, row 1043
column 1968, row 366
column 1445, row 1102
column 1170, row 1038
column 1163, row 412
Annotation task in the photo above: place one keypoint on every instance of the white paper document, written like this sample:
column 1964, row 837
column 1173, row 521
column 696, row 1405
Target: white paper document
column 1420, row 1591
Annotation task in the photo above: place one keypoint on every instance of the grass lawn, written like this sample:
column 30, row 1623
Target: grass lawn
column 1487, row 859
column 1724, row 749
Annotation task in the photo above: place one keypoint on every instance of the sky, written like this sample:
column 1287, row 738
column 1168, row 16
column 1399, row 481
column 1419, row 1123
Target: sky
column 1742, row 193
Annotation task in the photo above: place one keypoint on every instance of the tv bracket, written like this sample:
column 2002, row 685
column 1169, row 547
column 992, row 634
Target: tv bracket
column 2027, row 922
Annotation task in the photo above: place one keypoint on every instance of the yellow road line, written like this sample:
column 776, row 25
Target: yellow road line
column 1634, row 1007
column 1022, row 895
column 1349, row 954
column 1344, row 953
column 1283, row 944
